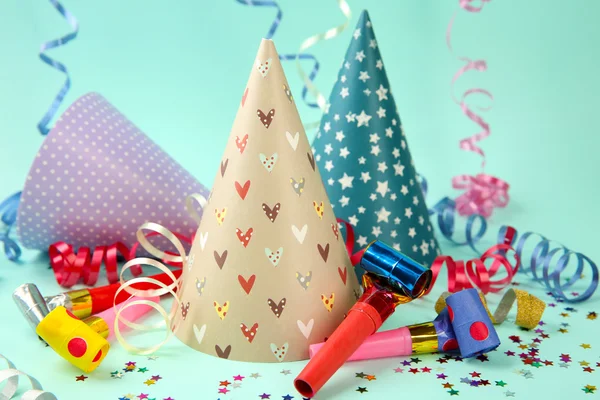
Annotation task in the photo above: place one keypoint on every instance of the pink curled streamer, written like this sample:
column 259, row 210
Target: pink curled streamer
column 482, row 192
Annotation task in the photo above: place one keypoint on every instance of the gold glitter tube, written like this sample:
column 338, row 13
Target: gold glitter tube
column 98, row 325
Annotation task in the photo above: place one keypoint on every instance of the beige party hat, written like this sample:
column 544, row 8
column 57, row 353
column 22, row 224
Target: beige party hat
column 268, row 274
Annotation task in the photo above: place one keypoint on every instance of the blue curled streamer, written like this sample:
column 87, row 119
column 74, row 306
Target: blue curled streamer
column 43, row 124
column 8, row 212
column 286, row 57
column 540, row 264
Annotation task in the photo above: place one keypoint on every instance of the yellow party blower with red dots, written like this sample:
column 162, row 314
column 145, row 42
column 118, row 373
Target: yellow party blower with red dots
column 73, row 339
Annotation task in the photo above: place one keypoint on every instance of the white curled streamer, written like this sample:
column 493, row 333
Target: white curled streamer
column 11, row 376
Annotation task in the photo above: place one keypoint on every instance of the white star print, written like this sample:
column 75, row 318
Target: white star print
column 317, row 157
column 414, row 248
column 411, row 182
column 368, row 24
column 397, row 221
column 344, row 93
column 382, row 188
column 361, row 210
column 373, row 43
column 424, row 247
column 396, row 152
column 364, row 76
column 393, row 234
column 344, row 152
column 389, row 132
column 343, row 78
column 367, row 92
column 356, row 34
column 373, row 197
column 350, row 117
column 327, row 106
column 362, row 119
column 411, row 232
column 376, row 231
column 329, row 165
column 381, row 112
column 404, row 190
column 327, row 127
column 394, row 122
column 398, row 169
column 328, row 148
column 393, row 196
column 365, row 176
column 382, row 215
column 330, row 181
column 421, row 220
column 347, row 65
column 353, row 220
column 339, row 136
column 382, row 167
column 396, row 247
column 408, row 212
column 362, row 160
column 373, row 138
column 375, row 150
column 379, row 64
column 336, row 117
column 344, row 201
column 362, row 241
column 403, row 144
column 360, row 56
column 346, row 181
column 415, row 200
column 382, row 94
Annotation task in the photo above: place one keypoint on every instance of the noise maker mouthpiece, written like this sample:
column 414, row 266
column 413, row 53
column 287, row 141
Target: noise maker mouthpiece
column 82, row 345
column 403, row 273
column 472, row 325
column 31, row 303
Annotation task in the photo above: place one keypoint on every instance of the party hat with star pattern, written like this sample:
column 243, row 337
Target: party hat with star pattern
column 364, row 159
column 268, row 274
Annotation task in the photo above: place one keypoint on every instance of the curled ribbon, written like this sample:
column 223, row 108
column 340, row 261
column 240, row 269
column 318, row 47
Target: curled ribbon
column 483, row 192
column 70, row 267
column 547, row 261
column 8, row 212
column 43, row 124
column 529, row 308
column 11, row 376
column 127, row 286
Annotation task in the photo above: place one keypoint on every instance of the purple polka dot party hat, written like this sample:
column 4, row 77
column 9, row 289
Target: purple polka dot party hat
column 97, row 178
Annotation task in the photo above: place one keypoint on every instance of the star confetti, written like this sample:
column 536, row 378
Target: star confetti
column 589, row 389
column 81, row 378
column 362, row 389
column 592, row 315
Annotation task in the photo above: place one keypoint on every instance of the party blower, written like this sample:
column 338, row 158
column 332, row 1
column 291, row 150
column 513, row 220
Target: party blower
column 463, row 324
column 391, row 279
column 81, row 342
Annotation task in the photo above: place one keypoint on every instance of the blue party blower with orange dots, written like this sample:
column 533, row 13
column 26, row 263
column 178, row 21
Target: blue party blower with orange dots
column 464, row 313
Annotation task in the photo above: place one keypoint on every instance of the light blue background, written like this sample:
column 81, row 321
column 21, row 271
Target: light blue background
column 178, row 69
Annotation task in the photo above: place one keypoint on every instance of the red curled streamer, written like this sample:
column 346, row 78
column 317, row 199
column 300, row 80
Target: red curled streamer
column 483, row 192
column 70, row 267
column 462, row 275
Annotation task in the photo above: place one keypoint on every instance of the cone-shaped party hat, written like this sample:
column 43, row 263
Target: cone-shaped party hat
column 97, row 178
column 268, row 274
column 362, row 152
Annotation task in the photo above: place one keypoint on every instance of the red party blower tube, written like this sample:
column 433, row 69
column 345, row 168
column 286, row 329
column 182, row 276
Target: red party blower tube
column 376, row 304
column 86, row 302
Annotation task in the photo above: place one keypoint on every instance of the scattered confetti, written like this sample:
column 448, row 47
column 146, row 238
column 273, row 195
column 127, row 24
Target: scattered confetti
column 81, row 378
column 501, row 383
column 453, row 392
column 585, row 346
column 286, row 372
column 508, row 393
column 589, row 389
column 592, row 315
column 361, row 389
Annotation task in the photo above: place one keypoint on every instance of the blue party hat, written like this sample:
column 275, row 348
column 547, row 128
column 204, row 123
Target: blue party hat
column 364, row 158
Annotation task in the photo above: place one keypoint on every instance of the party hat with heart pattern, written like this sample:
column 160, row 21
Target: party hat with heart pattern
column 362, row 152
column 268, row 274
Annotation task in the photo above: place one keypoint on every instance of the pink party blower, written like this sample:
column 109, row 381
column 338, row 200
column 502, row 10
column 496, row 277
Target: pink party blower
column 131, row 314
column 463, row 324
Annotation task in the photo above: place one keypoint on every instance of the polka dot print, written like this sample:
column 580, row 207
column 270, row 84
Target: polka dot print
column 479, row 331
column 450, row 344
column 77, row 347
column 97, row 178
column 97, row 357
